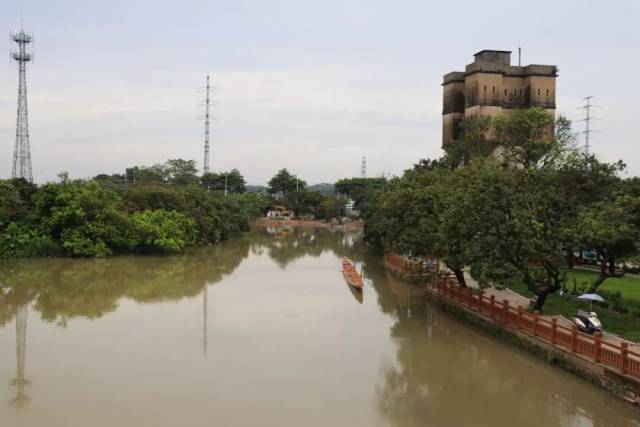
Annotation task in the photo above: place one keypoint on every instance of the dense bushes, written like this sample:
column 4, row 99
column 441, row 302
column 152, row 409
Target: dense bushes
column 102, row 217
column 166, row 231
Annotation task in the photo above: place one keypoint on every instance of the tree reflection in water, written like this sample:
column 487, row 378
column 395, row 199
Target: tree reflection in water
column 286, row 244
column 61, row 289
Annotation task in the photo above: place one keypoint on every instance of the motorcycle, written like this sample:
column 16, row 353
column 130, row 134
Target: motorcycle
column 587, row 322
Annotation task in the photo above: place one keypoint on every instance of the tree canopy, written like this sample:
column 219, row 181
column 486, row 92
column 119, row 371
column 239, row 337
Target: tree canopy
column 165, row 209
column 512, row 201
column 284, row 182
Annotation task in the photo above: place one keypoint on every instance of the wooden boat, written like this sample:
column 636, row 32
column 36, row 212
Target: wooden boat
column 351, row 274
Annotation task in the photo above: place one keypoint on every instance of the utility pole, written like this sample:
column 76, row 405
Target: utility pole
column 225, row 183
column 22, row 151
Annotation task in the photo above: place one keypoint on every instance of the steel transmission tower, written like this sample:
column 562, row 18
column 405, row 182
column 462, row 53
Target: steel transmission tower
column 22, row 152
column 207, row 122
column 588, row 130
column 363, row 168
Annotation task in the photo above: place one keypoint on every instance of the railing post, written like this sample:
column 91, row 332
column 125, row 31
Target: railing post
column 624, row 352
column 536, row 315
column 520, row 310
column 574, row 337
column 505, row 310
column 598, row 342
column 554, row 327
column 493, row 304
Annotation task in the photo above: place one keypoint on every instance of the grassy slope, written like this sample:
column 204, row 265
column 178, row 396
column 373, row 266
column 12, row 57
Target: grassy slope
column 626, row 325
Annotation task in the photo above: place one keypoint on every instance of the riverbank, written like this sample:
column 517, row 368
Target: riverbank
column 269, row 222
column 607, row 360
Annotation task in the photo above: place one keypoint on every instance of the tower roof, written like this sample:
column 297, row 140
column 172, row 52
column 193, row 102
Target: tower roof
column 490, row 51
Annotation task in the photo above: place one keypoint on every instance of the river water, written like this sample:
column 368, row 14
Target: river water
column 262, row 331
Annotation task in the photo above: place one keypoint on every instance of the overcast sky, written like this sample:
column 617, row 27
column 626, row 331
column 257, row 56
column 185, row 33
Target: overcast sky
column 308, row 85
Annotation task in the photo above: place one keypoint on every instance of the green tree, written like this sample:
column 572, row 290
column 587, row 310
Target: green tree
column 612, row 228
column 283, row 182
column 10, row 203
column 304, row 201
column 181, row 172
column 138, row 174
column 525, row 138
column 232, row 180
column 330, row 207
column 83, row 217
column 518, row 236
column 472, row 142
column 160, row 230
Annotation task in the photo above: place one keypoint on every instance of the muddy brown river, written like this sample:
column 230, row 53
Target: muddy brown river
column 262, row 331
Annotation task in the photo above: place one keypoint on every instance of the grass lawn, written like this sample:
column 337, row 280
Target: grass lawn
column 624, row 324
column 628, row 286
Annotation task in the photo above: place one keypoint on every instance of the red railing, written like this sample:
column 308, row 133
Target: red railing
column 408, row 267
column 611, row 355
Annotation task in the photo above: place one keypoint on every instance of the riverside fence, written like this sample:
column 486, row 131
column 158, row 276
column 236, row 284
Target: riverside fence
column 407, row 267
column 592, row 348
column 613, row 356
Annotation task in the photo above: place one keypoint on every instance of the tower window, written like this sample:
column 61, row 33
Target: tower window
column 505, row 92
column 538, row 91
column 547, row 92
column 485, row 89
column 493, row 89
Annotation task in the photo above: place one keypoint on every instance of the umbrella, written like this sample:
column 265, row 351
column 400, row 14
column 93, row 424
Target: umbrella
column 591, row 298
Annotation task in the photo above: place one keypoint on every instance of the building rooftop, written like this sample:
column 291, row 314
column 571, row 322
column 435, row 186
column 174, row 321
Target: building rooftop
column 491, row 51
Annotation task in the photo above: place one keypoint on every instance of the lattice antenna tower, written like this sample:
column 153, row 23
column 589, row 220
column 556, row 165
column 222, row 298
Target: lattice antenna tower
column 22, row 151
column 588, row 119
column 363, row 168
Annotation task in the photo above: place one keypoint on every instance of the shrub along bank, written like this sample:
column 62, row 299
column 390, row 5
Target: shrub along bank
column 101, row 217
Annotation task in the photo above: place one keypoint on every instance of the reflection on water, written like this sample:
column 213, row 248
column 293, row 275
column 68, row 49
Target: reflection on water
column 20, row 382
column 276, row 341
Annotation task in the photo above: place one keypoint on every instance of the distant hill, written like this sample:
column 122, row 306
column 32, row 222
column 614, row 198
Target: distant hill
column 256, row 188
column 324, row 188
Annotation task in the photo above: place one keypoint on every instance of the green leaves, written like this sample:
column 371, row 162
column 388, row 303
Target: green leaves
column 232, row 181
column 97, row 218
column 161, row 231
column 283, row 182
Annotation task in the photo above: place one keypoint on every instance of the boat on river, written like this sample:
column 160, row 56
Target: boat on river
column 351, row 274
